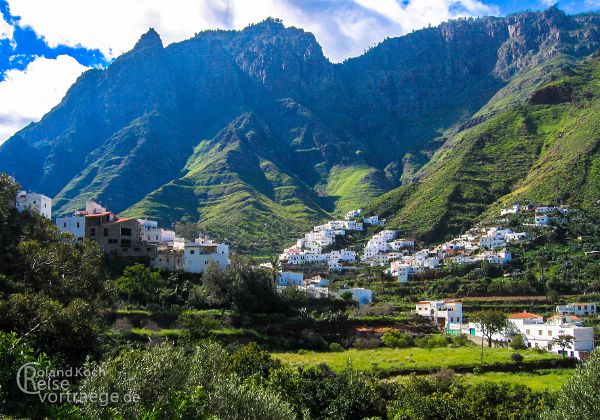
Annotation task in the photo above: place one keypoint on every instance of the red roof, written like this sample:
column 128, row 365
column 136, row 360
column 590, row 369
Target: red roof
column 106, row 213
column 524, row 315
column 123, row 219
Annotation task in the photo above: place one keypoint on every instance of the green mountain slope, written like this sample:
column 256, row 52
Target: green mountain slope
column 543, row 151
column 256, row 135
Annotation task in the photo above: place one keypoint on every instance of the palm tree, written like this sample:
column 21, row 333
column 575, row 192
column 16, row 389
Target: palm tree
column 275, row 267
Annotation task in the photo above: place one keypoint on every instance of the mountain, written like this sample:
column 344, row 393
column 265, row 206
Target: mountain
column 545, row 150
column 257, row 136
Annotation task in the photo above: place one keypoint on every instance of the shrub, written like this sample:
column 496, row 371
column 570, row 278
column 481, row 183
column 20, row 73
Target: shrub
column 516, row 357
column 518, row 342
column 397, row 339
column 336, row 347
column 477, row 370
column 366, row 343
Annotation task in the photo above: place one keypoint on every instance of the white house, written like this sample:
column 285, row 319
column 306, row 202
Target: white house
column 442, row 312
column 360, row 295
column 544, row 209
column 373, row 220
column 401, row 270
column 150, row 232
column 542, row 220
column 37, row 203
column 316, row 281
column 289, row 278
column 399, row 244
column 539, row 334
column 495, row 257
column 510, row 210
column 352, row 214
column 581, row 309
column 72, row 224
column 198, row 254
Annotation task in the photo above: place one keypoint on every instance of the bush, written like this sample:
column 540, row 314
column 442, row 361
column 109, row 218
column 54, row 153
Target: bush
column 397, row 339
column 477, row 370
column 516, row 357
column 366, row 343
column 518, row 342
column 336, row 347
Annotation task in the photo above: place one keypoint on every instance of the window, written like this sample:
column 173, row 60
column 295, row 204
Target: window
column 585, row 307
column 93, row 232
column 528, row 332
column 105, row 232
column 192, row 252
column 113, row 241
column 125, row 242
column 65, row 225
column 550, row 333
column 136, row 249
column 125, row 231
column 77, row 224
column 539, row 332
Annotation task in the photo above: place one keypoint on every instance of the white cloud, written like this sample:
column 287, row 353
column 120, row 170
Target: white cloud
column 6, row 29
column 343, row 27
column 26, row 95
column 420, row 13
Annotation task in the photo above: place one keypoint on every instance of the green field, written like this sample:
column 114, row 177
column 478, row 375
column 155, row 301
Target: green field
column 539, row 380
column 386, row 359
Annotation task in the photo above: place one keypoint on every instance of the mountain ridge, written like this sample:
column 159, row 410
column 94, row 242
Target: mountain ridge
column 261, row 116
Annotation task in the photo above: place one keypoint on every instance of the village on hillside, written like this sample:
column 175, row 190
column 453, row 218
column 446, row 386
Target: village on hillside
column 317, row 252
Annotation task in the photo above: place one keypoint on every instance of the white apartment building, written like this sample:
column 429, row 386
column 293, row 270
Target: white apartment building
column 492, row 242
column 37, row 203
column 342, row 255
column 198, row 254
column 442, row 312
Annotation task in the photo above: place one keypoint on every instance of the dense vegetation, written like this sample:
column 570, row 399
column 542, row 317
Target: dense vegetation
column 64, row 305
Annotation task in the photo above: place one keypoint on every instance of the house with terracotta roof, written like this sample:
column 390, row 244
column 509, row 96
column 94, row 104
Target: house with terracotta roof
column 539, row 334
column 116, row 236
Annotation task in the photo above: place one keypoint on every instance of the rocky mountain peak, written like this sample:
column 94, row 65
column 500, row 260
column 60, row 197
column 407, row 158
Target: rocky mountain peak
column 150, row 39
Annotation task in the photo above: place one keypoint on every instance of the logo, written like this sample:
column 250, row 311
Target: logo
column 54, row 385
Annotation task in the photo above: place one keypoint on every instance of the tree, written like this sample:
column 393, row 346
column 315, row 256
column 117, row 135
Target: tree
column 491, row 322
column 275, row 267
column 579, row 398
column 563, row 341
column 139, row 283
column 197, row 325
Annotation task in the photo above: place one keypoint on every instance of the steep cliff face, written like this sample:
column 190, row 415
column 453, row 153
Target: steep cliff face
column 543, row 151
column 260, row 115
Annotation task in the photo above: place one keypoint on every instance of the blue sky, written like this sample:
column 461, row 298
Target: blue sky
column 46, row 44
